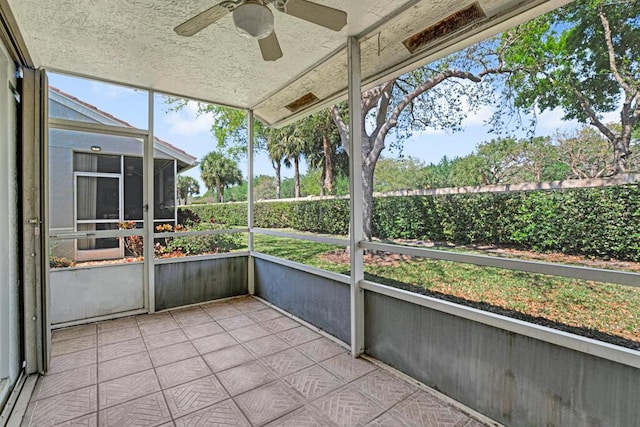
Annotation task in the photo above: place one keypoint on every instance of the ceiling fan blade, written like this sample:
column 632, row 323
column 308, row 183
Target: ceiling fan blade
column 325, row 16
column 201, row 20
column 270, row 47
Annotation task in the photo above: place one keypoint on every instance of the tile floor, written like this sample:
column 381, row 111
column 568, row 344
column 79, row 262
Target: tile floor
column 236, row 363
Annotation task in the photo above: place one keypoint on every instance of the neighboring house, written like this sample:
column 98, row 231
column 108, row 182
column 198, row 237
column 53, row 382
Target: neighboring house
column 98, row 180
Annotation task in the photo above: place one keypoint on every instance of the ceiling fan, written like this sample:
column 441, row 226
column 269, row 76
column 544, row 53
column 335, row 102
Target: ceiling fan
column 253, row 18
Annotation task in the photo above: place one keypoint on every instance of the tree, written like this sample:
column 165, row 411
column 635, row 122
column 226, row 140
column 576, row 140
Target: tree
column 582, row 58
column 586, row 153
column 399, row 174
column 295, row 147
column 435, row 96
column 187, row 186
column 219, row 172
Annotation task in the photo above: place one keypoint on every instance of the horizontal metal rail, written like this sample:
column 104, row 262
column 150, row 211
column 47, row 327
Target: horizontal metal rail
column 537, row 267
column 200, row 233
column 72, row 125
column 299, row 236
column 564, row 339
column 98, row 234
column 342, row 278
column 192, row 258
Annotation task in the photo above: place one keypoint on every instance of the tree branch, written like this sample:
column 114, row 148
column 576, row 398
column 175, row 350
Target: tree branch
column 611, row 52
column 342, row 128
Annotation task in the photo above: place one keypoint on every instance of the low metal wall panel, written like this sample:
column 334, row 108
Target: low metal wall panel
column 196, row 281
column 322, row 302
column 513, row 379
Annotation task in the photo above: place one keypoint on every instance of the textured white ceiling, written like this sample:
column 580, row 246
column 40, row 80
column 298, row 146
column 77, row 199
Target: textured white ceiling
column 133, row 42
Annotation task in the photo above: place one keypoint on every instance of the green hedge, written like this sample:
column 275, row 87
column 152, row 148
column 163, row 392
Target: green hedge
column 596, row 222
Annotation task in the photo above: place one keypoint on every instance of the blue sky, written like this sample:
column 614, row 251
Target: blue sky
column 191, row 133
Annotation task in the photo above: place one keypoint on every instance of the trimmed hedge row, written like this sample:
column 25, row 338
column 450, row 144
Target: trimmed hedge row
column 595, row 222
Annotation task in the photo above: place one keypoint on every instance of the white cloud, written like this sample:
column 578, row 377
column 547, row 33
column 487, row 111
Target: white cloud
column 109, row 91
column 187, row 121
column 480, row 117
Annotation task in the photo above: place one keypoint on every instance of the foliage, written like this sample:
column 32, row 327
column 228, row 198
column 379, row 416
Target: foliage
column 399, row 174
column 595, row 222
column 187, row 186
column 202, row 244
column 583, row 59
column 134, row 244
column 56, row 261
column 219, row 171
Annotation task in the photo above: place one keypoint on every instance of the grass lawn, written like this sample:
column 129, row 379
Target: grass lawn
column 603, row 311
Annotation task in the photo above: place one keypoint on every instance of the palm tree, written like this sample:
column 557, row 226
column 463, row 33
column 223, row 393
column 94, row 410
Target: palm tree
column 219, row 172
column 276, row 151
column 295, row 146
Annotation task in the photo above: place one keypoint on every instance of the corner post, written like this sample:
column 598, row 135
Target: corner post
column 251, row 136
column 356, row 235
column 149, row 212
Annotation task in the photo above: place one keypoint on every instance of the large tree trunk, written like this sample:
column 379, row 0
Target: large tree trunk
column 296, row 176
column 367, row 200
column 328, row 166
column 220, row 192
column 620, row 153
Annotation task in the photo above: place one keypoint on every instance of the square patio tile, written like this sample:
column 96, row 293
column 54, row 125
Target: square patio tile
column 384, row 389
column 117, row 335
column 73, row 345
column 182, row 372
column 265, row 346
column 313, row 382
column 227, row 358
column 193, row 396
column 299, row 335
column 158, row 326
column 280, row 324
column 286, row 362
column 62, row 408
column 73, row 332
column 120, row 349
column 248, row 305
column 346, row 367
column 222, row 414
column 425, row 409
column 202, row 330
column 264, row 315
column 145, row 411
column 190, row 316
column 220, row 311
column 127, row 388
column 123, row 366
column 321, row 349
column 122, row 323
column 268, row 402
column 214, row 342
column 236, row 322
column 70, row 361
column 303, row 417
column 347, row 407
column 249, row 333
column 90, row 420
column 245, row 377
column 172, row 353
column 165, row 339
column 54, row 384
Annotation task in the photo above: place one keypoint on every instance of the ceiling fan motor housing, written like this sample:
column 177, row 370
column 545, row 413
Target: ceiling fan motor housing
column 253, row 19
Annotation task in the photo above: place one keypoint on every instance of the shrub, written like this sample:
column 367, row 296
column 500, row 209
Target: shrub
column 594, row 222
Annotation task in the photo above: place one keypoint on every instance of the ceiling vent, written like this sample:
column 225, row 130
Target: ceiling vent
column 302, row 102
column 452, row 24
